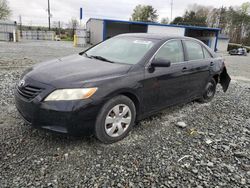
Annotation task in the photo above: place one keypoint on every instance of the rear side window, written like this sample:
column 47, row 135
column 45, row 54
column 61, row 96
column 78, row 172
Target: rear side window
column 172, row 51
column 207, row 54
column 194, row 50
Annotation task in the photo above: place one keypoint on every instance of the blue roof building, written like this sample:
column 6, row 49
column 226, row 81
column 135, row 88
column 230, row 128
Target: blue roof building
column 102, row 29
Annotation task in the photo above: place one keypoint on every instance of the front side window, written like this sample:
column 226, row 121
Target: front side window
column 172, row 51
column 128, row 50
column 194, row 50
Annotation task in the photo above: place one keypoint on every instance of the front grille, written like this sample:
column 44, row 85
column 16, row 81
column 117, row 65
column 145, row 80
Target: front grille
column 29, row 92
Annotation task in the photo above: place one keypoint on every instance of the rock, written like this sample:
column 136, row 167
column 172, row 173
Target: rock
column 66, row 156
column 229, row 168
column 195, row 171
column 208, row 141
column 99, row 152
column 243, row 181
column 181, row 124
column 210, row 164
column 226, row 148
column 240, row 154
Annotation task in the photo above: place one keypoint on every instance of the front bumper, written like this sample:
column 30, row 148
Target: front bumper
column 72, row 117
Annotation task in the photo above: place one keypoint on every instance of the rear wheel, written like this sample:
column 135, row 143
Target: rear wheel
column 209, row 92
column 115, row 119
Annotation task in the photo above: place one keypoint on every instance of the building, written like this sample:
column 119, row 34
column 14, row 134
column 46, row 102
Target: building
column 7, row 31
column 223, row 42
column 102, row 29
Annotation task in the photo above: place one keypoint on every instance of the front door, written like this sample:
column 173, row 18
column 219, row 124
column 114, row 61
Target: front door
column 164, row 86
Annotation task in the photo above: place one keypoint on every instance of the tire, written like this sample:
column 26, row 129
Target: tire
column 209, row 91
column 115, row 119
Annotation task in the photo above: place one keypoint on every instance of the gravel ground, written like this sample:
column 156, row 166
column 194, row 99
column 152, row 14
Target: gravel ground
column 209, row 148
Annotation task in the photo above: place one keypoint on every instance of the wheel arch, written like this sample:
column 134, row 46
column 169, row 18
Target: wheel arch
column 131, row 95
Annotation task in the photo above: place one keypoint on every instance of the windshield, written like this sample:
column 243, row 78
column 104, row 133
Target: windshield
column 127, row 50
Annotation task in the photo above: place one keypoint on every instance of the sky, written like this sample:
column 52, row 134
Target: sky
column 34, row 12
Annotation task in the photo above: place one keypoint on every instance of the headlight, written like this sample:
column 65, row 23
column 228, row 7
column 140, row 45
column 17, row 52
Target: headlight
column 70, row 94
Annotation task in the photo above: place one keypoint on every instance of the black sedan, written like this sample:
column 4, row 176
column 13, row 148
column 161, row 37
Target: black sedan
column 107, row 88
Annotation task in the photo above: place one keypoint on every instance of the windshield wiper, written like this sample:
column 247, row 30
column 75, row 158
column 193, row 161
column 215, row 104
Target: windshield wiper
column 101, row 58
column 86, row 55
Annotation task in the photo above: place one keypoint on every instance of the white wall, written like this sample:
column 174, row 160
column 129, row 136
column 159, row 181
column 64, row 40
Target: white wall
column 212, row 41
column 38, row 35
column 222, row 45
column 95, row 27
column 157, row 29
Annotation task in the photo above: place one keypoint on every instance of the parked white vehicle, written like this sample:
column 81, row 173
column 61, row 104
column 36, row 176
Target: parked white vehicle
column 57, row 38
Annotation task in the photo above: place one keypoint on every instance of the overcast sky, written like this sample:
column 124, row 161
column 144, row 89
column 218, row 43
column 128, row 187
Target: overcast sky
column 34, row 11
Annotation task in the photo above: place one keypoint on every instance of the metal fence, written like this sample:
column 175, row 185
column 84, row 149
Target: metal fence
column 38, row 35
column 6, row 31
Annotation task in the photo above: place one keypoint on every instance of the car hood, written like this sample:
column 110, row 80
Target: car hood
column 75, row 70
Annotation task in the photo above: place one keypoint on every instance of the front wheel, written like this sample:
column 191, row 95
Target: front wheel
column 115, row 119
column 209, row 92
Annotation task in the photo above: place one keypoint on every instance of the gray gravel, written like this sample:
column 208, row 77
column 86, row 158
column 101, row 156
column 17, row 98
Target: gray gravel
column 211, row 150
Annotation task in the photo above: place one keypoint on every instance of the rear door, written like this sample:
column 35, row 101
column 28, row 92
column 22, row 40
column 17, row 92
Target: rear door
column 198, row 67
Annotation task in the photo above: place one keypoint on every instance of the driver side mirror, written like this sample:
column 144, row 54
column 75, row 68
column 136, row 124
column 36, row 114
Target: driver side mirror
column 159, row 62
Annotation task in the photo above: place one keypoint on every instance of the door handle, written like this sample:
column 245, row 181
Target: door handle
column 212, row 64
column 184, row 69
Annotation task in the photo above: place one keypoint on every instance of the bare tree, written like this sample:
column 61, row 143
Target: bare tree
column 145, row 13
column 165, row 21
column 73, row 24
column 4, row 10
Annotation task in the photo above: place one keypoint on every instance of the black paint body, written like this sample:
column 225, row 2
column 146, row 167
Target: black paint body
column 151, row 89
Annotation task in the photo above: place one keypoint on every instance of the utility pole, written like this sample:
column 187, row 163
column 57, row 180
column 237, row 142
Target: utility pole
column 20, row 25
column 171, row 10
column 49, row 14
column 59, row 27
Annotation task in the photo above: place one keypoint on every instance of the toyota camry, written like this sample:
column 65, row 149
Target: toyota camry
column 105, row 89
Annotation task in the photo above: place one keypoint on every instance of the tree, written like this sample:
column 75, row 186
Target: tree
column 178, row 20
column 233, row 21
column 4, row 10
column 164, row 21
column 195, row 15
column 73, row 24
column 144, row 13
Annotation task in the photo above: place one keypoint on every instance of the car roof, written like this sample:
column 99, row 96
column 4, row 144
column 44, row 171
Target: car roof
column 164, row 37
column 153, row 36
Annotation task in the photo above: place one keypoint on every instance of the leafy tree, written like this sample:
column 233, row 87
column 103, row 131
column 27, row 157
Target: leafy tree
column 193, row 18
column 4, row 10
column 233, row 21
column 145, row 13
column 164, row 21
column 178, row 20
column 196, row 15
